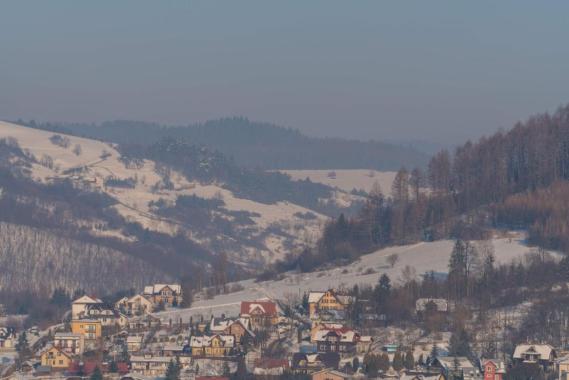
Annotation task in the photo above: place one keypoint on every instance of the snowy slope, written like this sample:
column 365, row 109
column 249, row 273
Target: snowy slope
column 423, row 257
column 99, row 161
column 346, row 179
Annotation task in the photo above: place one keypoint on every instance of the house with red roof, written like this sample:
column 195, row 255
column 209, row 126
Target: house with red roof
column 261, row 314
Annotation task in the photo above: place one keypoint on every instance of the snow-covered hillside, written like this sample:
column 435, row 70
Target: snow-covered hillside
column 421, row 257
column 277, row 229
column 346, row 179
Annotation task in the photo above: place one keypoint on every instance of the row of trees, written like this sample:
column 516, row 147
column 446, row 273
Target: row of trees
column 373, row 362
column 519, row 174
column 474, row 279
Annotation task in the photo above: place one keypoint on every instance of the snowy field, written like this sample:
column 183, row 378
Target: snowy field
column 422, row 257
column 346, row 180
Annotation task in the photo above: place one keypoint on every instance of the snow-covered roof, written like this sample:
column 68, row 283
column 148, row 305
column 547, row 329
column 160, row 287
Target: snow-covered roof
column 150, row 359
column 66, row 335
column 219, row 324
column 85, row 300
column 267, row 308
column 139, row 298
column 449, row 362
column 345, row 335
column 134, row 339
column 205, row 341
column 545, row 351
column 562, row 360
column 173, row 347
column 314, row 297
column 157, row 288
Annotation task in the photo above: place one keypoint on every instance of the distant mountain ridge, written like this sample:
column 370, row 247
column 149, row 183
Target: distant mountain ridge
column 256, row 144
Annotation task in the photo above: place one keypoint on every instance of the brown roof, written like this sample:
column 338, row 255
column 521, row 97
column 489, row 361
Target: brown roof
column 267, row 308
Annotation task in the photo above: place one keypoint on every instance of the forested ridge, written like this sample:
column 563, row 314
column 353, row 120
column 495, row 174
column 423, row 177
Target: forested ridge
column 39, row 261
column 207, row 166
column 514, row 179
column 254, row 144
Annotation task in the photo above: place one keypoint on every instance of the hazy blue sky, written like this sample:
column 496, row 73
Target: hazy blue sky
column 434, row 70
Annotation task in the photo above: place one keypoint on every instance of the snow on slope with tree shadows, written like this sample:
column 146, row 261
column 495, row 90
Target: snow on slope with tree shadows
column 252, row 233
column 412, row 260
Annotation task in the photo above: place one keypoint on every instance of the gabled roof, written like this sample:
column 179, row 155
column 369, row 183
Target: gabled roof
column 54, row 348
column 544, row 350
column 266, row 308
column 219, row 325
column 499, row 364
column 314, row 297
column 448, row 362
column 139, row 297
column 86, row 300
column 157, row 288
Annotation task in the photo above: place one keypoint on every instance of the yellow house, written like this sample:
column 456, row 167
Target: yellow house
column 564, row 368
column 91, row 329
column 328, row 300
column 212, row 346
column 55, row 358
